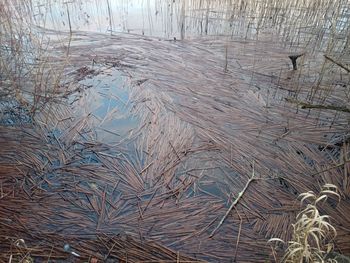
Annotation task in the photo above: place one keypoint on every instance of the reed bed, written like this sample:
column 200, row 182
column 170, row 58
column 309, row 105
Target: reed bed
column 212, row 112
column 173, row 178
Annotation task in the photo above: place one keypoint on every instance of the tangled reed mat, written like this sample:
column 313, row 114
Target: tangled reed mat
column 207, row 122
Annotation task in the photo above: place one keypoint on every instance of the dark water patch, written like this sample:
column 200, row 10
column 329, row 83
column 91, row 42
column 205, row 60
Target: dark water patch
column 12, row 113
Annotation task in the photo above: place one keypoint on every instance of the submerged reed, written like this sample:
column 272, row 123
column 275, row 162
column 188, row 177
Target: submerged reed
column 206, row 107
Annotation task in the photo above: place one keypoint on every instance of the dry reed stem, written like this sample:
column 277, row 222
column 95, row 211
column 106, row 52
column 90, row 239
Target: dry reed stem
column 158, row 191
column 234, row 203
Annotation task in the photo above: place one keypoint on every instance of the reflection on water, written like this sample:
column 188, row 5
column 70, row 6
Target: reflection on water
column 106, row 98
column 161, row 18
column 183, row 19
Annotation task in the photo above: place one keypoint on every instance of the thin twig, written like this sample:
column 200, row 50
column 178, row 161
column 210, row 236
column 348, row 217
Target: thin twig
column 337, row 63
column 331, row 168
column 69, row 22
column 274, row 254
column 234, row 203
column 48, row 260
column 239, row 234
column 305, row 105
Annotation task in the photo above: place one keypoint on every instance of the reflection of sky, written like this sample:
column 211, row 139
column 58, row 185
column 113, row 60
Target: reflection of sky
column 175, row 18
column 134, row 16
column 108, row 101
column 161, row 18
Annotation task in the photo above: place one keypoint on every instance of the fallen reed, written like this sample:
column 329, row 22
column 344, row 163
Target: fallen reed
column 159, row 192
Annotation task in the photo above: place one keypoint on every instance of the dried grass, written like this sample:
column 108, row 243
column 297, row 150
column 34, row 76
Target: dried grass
column 207, row 108
column 312, row 232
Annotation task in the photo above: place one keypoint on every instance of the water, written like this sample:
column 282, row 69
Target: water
column 161, row 18
column 204, row 147
column 12, row 113
column 307, row 22
column 106, row 99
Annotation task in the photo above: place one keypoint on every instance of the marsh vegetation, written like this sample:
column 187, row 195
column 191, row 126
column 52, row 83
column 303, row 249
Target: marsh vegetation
column 170, row 130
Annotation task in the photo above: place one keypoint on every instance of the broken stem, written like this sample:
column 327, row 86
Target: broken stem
column 234, row 203
column 305, row 105
column 337, row 63
column 239, row 234
column 294, row 58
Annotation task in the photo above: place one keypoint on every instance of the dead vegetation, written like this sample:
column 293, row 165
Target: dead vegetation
column 312, row 232
column 209, row 110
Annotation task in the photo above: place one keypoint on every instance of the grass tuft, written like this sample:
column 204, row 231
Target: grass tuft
column 312, row 233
